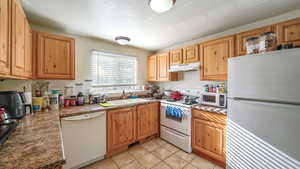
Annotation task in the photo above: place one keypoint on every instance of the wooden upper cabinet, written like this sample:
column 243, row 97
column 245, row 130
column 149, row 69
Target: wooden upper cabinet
column 163, row 65
column 289, row 31
column 191, row 54
column 18, row 39
column 5, row 56
column 242, row 37
column 176, row 57
column 28, row 51
column 55, row 57
column 147, row 120
column 120, row 128
column 214, row 55
column 152, row 68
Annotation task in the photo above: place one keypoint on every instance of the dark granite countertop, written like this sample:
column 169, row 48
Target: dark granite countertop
column 36, row 143
column 211, row 109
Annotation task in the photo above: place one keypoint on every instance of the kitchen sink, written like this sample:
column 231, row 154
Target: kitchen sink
column 127, row 101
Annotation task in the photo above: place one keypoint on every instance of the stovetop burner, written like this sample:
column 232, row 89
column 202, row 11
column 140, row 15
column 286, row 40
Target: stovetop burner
column 172, row 100
column 190, row 103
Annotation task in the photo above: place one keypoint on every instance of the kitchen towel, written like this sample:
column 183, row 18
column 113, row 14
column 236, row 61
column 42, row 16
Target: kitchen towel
column 174, row 112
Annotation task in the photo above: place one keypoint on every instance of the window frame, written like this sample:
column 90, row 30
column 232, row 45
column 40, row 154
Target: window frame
column 96, row 81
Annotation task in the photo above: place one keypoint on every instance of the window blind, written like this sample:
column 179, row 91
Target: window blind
column 112, row 69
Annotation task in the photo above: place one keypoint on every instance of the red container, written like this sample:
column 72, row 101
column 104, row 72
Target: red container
column 176, row 95
column 66, row 103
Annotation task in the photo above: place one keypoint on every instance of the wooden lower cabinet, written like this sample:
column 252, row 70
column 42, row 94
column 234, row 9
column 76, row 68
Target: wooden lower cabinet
column 209, row 136
column 121, row 125
column 129, row 125
column 147, row 120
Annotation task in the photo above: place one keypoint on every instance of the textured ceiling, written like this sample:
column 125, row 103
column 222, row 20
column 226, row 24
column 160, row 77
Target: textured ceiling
column 187, row 20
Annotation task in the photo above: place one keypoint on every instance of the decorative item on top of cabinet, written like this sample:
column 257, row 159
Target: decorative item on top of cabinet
column 152, row 68
column 209, row 136
column 242, row 37
column 214, row 55
column 5, row 30
column 163, row 66
column 289, row 31
column 176, row 57
column 147, row 120
column 191, row 54
column 20, row 32
column 55, row 57
column 121, row 127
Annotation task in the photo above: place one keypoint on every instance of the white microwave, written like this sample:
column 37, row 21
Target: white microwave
column 214, row 99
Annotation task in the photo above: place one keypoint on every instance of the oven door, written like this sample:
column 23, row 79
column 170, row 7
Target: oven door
column 182, row 125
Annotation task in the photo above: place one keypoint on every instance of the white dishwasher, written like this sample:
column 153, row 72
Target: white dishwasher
column 84, row 139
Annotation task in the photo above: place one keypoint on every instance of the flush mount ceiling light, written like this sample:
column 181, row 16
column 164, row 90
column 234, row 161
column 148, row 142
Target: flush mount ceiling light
column 161, row 6
column 122, row 40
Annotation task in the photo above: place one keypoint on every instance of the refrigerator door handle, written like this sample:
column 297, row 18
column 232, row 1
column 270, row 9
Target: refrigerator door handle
column 265, row 101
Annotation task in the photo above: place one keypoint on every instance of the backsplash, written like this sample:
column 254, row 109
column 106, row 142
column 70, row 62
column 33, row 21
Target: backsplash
column 189, row 85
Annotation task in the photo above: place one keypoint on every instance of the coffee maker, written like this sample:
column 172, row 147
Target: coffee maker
column 14, row 103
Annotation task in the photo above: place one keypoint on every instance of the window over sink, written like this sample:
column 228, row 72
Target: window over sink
column 109, row 69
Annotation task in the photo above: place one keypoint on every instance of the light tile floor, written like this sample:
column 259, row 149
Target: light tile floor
column 154, row 154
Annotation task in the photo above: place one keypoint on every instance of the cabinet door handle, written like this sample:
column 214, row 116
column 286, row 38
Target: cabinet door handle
column 54, row 66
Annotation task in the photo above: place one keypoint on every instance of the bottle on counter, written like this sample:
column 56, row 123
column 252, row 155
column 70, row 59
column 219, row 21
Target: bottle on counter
column 67, row 102
column 214, row 89
column 80, row 99
column 73, row 101
column 61, row 101
column 54, row 103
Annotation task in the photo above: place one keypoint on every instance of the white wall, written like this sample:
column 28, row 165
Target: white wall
column 83, row 48
column 192, row 79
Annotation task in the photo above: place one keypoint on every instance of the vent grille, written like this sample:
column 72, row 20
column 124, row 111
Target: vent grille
column 247, row 151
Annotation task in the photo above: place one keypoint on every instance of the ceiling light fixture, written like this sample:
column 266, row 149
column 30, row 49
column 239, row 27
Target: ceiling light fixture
column 161, row 6
column 122, row 40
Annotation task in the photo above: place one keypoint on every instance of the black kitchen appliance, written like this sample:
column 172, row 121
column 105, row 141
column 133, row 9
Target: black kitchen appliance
column 13, row 102
column 6, row 130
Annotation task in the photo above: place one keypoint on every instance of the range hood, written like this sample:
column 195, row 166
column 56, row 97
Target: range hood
column 185, row 67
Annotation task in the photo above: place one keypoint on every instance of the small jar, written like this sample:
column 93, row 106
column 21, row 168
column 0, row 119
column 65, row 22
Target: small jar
column 267, row 42
column 252, row 45
column 73, row 101
column 66, row 102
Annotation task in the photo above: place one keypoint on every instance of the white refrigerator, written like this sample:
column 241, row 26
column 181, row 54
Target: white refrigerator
column 264, row 111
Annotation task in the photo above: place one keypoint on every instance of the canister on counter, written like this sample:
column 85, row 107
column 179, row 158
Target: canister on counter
column 73, row 101
column 67, row 102
column 37, row 104
column 54, row 105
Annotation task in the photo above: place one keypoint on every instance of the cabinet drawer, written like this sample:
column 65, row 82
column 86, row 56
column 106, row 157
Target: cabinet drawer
column 210, row 116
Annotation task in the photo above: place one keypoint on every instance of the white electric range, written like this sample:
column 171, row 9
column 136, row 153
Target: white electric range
column 177, row 131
